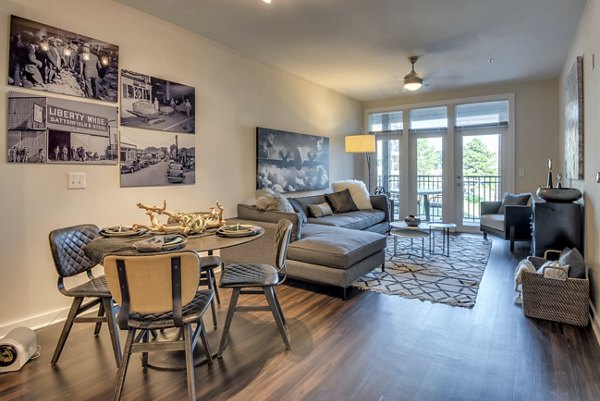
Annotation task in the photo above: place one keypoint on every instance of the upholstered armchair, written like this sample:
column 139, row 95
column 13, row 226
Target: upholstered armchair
column 508, row 219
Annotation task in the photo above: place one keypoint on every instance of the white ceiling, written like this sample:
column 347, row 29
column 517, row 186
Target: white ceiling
column 360, row 47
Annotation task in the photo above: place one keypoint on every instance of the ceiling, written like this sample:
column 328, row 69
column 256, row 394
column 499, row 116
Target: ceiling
column 360, row 48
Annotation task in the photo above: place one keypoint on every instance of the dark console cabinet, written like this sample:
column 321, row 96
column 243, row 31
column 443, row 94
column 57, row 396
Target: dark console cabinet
column 556, row 226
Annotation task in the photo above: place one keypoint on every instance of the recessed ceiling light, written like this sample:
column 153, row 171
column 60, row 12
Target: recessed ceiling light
column 266, row 1
column 491, row 60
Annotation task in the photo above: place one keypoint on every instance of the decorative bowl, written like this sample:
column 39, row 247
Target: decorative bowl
column 412, row 221
column 558, row 194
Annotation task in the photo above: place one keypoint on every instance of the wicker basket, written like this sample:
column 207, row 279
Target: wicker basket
column 564, row 301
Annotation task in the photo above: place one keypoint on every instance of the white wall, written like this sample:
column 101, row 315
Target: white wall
column 587, row 43
column 536, row 105
column 233, row 96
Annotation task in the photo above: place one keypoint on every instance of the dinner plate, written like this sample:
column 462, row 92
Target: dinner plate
column 120, row 231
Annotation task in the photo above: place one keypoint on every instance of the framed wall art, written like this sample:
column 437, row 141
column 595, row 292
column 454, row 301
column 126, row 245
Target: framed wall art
column 573, row 121
column 157, row 104
column 51, row 59
column 50, row 130
column 291, row 162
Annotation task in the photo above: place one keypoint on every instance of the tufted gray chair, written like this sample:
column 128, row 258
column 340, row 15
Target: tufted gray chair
column 70, row 260
column 241, row 276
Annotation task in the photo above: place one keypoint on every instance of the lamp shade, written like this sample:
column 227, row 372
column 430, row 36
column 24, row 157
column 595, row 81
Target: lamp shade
column 360, row 144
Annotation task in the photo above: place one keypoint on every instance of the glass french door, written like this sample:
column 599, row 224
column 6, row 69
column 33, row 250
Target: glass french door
column 452, row 157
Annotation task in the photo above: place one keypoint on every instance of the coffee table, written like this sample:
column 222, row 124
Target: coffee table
column 401, row 229
column 445, row 229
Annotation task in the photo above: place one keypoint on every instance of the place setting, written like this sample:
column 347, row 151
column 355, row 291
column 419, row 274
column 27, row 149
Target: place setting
column 238, row 230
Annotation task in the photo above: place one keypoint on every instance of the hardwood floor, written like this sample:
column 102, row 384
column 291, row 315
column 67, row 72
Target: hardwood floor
column 369, row 347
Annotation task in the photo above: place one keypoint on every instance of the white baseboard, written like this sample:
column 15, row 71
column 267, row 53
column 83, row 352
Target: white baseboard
column 594, row 322
column 37, row 322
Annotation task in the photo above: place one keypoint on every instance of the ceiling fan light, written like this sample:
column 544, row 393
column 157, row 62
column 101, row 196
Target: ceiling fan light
column 412, row 82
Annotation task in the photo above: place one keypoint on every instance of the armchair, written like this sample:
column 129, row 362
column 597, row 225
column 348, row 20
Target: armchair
column 512, row 224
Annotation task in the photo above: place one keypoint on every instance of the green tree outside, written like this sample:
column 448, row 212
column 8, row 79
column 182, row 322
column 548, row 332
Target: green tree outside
column 478, row 159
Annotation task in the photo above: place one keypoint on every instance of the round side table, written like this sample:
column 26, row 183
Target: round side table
column 445, row 229
column 401, row 229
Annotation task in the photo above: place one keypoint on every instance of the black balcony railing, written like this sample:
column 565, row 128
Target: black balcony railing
column 476, row 188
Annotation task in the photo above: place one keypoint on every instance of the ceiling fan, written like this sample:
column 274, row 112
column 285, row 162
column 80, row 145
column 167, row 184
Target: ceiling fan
column 412, row 80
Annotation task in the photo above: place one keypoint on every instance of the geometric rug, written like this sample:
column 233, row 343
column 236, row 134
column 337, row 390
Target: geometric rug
column 452, row 280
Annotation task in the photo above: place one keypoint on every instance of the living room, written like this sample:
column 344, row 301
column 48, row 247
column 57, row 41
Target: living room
column 237, row 92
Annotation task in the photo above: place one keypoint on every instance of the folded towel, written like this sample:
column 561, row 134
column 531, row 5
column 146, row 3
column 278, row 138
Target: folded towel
column 523, row 266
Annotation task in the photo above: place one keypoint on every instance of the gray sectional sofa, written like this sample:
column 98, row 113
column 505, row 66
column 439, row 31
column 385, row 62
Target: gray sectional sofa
column 334, row 250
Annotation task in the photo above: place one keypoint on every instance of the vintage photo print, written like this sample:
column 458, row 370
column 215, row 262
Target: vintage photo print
column 50, row 130
column 157, row 158
column 157, row 104
column 51, row 59
column 291, row 162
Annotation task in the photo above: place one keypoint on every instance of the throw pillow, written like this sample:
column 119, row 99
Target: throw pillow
column 298, row 209
column 341, row 202
column 269, row 200
column 320, row 210
column 358, row 191
column 573, row 258
column 514, row 200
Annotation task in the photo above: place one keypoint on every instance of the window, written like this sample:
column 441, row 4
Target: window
column 430, row 118
column 479, row 115
column 386, row 123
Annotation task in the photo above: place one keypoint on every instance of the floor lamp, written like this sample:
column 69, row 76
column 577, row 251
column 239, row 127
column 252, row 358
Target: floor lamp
column 362, row 144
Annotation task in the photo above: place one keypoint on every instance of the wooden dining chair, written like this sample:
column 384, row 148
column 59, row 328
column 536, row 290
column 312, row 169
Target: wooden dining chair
column 245, row 278
column 159, row 292
column 66, row 245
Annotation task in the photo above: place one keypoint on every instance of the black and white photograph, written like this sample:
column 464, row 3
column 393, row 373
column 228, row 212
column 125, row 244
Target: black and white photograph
column 157, row 159
column 51, row 59
column 49, row 130
column 157, row 104
column 291, row 162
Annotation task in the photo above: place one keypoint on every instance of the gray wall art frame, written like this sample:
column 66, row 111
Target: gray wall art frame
column 291, row 162
column 573, row 121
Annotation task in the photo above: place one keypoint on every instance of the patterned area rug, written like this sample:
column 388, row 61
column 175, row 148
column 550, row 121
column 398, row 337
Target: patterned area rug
column 452, row 280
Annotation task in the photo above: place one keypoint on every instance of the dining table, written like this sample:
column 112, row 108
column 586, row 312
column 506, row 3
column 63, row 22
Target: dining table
column 204, row 242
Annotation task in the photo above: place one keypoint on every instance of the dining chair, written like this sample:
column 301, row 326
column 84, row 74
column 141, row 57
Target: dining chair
column 66, row 245
column 159, row 292
column 245, row 278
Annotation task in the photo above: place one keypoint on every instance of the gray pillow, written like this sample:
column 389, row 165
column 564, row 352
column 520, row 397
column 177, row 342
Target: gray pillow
column 514, row 200
column 320, row 210
column 574, row 259
column 341, row 202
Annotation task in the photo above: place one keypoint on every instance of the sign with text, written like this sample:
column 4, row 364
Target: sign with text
column 74, row 119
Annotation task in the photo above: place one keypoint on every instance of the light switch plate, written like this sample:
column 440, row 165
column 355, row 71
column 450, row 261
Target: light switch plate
column 76, row 181
column 521, row 172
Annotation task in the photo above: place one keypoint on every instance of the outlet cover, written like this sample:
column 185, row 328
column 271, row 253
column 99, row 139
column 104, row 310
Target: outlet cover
column 76, row 181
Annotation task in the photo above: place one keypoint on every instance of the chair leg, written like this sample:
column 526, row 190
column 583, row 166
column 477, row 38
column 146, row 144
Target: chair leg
column 99, row 324
column 66, row 328
column 210, row 280
column 145, row 354
column 230, row 311
column 279, row 307
column 205, row 345
column 189, row 361
column 124, row 364
column 215, row 287
column 269, row 293
column 110, row 312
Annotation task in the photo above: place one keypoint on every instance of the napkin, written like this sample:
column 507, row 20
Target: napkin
column 152, row 244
